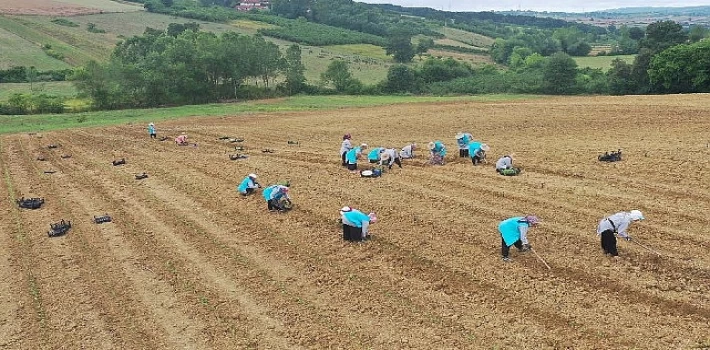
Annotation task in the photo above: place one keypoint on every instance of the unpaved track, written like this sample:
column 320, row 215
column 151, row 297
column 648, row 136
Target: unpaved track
column 187, row 263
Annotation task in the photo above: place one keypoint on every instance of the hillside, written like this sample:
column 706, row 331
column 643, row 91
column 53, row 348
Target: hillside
column 58, row 42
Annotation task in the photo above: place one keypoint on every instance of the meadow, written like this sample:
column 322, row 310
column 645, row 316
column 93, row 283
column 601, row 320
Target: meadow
column 601, row 62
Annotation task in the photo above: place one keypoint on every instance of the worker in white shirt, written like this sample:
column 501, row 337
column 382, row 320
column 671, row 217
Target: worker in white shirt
column 616, row 224
column 389, row 157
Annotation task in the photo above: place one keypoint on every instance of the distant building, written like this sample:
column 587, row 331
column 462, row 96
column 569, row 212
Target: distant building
column 246, row 5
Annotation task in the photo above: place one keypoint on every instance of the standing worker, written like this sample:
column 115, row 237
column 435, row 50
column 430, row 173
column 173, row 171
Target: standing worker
column 462, row 139
column 151, row 130
column 352, row 156
column 356, row 224
column 437, row 153
column 345, row 147
column 407, row 151
column 248, row 185
column 615, row 224
column 514, row 231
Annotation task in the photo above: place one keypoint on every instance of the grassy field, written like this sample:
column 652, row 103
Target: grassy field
column 66, row 7
column 603, row 62
column 57, row 88
column 468, row 38
column 15, row 50
column 33, row 123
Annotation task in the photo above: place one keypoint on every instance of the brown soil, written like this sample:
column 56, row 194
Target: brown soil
column 187, row 263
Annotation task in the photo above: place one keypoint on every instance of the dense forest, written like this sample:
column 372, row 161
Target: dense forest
column 184, row 65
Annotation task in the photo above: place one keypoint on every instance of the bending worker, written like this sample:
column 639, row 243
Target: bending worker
column 514, row 231
column 390, row 157
column 355, row 224
column 615, row 224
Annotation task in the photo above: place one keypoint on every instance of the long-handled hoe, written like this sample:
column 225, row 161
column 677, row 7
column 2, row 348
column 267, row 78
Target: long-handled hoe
column 541, row 259
column 645, row 247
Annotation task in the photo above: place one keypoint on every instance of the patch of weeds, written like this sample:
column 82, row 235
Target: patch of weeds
column 91, row 27
column 64, row 22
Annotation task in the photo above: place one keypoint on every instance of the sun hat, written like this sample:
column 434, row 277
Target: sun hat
column 485, row 147
column 364, row 145
column 432, row 145
column 346, row 209
column 151, row 124
column 460, row 135
column 252, row 175
column 531, row 219
column 636, row 215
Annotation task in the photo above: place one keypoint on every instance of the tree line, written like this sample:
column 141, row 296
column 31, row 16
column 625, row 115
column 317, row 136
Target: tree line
column 183, row 65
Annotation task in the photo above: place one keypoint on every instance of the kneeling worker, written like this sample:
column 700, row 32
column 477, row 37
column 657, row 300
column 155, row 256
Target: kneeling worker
column 248, row 185
column 277, row 198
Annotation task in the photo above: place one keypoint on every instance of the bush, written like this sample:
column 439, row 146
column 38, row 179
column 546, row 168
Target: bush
column 64, row 22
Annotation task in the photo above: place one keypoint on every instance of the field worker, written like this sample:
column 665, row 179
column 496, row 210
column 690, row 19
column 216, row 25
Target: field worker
column 462, row 139
column 181, row 140
column 504, row 165
column 389, row 157
column 407, row 151
column 514, row 231
column 151, row 130
column 615, row 224
column 248, row 185
column 437, row 153
column 477, row 151
column 345, row 147
column 355, row 224
column 374, row 155
column 352, row 156
column 277, row 198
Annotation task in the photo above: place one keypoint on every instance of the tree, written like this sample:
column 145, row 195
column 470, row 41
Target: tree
column 401, row 78
column 423, row 46
column 697, row 33
column 681, row 69
column 295, row 79
column 639, row 71
column 400, row 47
column 338, row 74
column 662, row 35
column 619, row 78
column 559, row 74
column 636, row 33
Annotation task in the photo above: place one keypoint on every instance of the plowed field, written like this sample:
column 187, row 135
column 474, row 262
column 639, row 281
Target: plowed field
column 189, row 264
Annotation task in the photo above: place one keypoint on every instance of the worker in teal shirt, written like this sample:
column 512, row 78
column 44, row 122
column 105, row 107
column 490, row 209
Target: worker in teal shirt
column 514, row 231
column 374, row 155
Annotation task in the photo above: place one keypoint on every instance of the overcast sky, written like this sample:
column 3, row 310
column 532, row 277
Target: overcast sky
column 548, row 5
